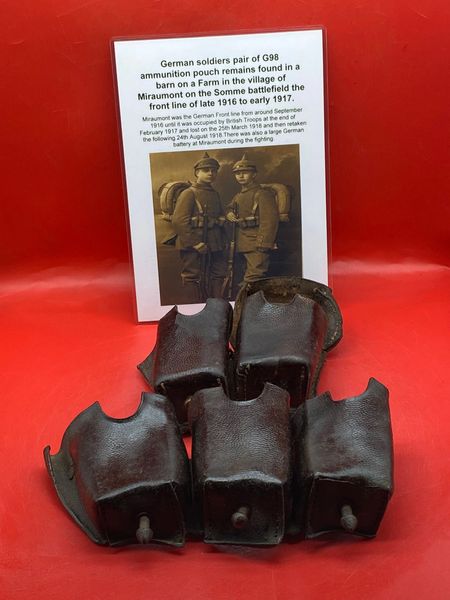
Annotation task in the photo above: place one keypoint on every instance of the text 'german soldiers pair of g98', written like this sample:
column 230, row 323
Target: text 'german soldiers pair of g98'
column 269, row 460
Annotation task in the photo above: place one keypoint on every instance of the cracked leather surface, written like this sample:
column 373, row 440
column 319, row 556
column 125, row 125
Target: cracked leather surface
column 241, row 458
column 343, row 456
column 281, row 343
column 108, row 472
column 191, row 353
column 281, row 289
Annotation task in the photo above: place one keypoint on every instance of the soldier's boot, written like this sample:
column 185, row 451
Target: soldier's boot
column 216, row 288
column 192, row 292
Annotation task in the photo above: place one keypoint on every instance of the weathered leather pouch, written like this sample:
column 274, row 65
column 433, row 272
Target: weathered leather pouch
column 127, row 480
column 283, row 327
column 241, row 466
column 191, row 353
column 343, row 464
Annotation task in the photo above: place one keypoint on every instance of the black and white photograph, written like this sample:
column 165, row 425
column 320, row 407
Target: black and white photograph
column 223, row 218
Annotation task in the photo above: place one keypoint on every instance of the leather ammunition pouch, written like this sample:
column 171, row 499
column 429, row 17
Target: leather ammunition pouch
column 253, row 220
column 124, row 480
column 283, row 327
column 248, row 222
column 191, row 353
column 241, row 466
column 199, row 220
column 343, row 463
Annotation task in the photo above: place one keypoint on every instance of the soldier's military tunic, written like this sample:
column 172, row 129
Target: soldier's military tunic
column 198, row 202
column 257, row 228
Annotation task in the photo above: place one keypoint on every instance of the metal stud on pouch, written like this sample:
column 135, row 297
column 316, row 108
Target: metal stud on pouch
column 240, row 518
column 144, row 533
column 348, row 520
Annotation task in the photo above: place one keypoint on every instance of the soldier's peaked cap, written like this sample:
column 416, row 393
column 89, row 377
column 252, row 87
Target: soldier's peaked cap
column 244, row 165
column 206, row 162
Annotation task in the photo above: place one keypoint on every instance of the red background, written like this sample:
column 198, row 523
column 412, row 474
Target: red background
column 68, row 335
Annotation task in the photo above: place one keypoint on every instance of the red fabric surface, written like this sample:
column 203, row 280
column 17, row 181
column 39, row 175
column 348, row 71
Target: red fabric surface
column 69, row 340
column 388, row 96
column 68, row 333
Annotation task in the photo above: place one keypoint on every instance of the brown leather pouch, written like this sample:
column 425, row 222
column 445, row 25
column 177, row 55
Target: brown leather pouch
column 124, row 481
column 191, row 353
column 241, row 466
column 343, row 473
column 283, row 327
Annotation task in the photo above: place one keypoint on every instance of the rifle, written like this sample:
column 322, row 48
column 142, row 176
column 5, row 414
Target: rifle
column 204, row 291
column 228, row 281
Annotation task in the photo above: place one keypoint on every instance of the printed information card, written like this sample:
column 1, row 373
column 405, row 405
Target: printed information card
column 224, row 161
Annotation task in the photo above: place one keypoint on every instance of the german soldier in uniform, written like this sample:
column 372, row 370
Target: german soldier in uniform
column 255, row 212
column 197, row 220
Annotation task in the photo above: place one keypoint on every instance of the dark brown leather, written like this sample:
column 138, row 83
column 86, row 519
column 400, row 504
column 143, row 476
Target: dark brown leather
column 241, row 466
column 343, row 460
column 112, row 474
column 282, row 343
column 191, row 353
column 282, row 289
